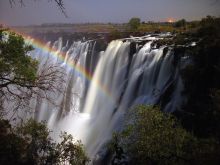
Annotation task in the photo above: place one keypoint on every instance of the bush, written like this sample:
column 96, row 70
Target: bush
column 30, row 144
column 153, row 137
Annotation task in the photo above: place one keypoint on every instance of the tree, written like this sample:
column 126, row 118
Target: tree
column 30, row 143
column 180, row 23
column 15, row 66
column 134, row 23
column 20, row 79
column 153, row 137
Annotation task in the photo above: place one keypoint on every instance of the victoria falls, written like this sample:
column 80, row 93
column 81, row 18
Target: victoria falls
column 119, row 87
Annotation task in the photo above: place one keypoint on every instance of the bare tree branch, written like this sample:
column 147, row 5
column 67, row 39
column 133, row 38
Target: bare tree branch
column 49, row 82
column 59, row 3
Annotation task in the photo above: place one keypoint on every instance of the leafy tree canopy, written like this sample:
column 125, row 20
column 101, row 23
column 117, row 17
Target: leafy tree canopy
column 15, row 66
column 152, row 137
column 134, row 23
column 30, row 143
column 180, row 23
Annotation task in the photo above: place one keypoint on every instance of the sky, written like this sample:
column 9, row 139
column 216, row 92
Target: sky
column 115, row 11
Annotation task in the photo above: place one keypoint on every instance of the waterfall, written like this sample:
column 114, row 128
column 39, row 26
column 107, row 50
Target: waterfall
column 129, row 72
column 74, row 86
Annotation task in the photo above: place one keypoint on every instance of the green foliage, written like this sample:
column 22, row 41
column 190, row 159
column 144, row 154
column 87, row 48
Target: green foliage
column 134, row 23
column 180, row 23
column 31, row 144
column 15, row 66
column 209, row 27
column 152, row 137
column 156, row 27
column 159, row 137
column 202, row 79
column 71, row 152
column 119, row 157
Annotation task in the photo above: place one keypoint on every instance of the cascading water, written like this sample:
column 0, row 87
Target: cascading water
column 75, row 84
column 127, row 73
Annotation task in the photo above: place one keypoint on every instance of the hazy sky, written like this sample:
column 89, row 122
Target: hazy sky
column 81, row 11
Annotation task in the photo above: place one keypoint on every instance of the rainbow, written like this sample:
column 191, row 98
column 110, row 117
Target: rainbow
column 61, row 56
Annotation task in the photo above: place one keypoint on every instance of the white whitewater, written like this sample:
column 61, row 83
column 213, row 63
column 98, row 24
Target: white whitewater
column 122, row 78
